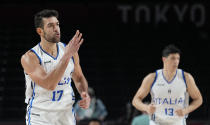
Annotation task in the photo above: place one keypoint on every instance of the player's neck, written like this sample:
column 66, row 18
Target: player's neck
column 49, row 47
column 169, row 73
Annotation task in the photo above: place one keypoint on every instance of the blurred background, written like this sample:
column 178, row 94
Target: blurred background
column 123, row 43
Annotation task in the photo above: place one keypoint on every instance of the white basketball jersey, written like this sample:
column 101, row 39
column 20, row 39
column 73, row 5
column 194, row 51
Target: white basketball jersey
column 169, row 96
column 63, row 96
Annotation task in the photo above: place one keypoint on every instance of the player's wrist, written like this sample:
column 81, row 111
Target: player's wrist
column 67, row 56
column 147, row 108
column 185, row 111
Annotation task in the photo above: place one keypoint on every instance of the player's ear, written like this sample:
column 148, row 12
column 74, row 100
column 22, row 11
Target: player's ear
column 39, row 30
column 163, row 59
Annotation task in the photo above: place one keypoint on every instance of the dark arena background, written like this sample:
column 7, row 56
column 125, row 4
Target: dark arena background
column 123, row 43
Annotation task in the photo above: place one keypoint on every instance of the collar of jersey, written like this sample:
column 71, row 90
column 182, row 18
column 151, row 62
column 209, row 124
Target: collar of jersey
column 49, row 54
column 169, row 82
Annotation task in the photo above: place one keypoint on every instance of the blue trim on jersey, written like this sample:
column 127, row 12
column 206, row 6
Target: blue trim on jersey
column 156, row 74
column 64, row 44
column 30, row 106
column 40, row 61
column 73, row 59
column 49, row 54
column 73, row 112
column 169, row 82
column 72, row 94
column 184, row 78
column 154, row 117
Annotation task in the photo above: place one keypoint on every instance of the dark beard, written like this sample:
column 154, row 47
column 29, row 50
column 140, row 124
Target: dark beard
column 51, row 39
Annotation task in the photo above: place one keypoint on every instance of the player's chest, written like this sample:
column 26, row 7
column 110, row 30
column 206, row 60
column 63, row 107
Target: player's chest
column 164, row 88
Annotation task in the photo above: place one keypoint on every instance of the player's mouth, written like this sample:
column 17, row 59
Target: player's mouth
column 57, row 34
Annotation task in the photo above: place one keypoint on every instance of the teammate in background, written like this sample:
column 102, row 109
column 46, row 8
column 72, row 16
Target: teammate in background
column 170, row 89
column 48, row 68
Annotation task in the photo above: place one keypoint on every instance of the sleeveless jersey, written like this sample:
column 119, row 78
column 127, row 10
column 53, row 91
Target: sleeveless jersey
column 62, row 97
column 168, row 96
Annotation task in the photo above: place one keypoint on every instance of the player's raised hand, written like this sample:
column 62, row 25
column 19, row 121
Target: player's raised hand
column 180, row 112
column 74, row 44
column 151, row 109
column 85, row 102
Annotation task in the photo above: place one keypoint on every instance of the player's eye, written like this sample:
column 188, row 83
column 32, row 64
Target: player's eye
column 50, row 25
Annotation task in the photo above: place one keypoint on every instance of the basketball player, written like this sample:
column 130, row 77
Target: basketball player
column 48, row 68
column 169, row 88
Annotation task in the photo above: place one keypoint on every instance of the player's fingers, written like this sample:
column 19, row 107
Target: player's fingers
column 80, row 36
column 77, row 33
column 80, row 43
column 83, row 105
column 73, row 40
column 178, row 112
column 83, row 101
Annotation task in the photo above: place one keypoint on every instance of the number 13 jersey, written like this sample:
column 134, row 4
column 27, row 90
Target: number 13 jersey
column 169, row 96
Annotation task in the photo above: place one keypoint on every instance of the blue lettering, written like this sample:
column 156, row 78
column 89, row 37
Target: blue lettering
column 165, row 101
column 173, row 102
column 66, row 81
column 180, row 101
column 169, row 101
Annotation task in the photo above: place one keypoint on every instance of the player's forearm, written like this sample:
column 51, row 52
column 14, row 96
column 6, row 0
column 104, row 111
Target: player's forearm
column 82, row 85
column 138, row 104
column 194, row 105
column 53, row 78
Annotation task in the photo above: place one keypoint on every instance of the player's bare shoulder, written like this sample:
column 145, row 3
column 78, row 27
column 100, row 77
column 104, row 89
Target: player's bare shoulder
column 148, row 80
column 187, row 74
column 29, row 59
column 151, row 77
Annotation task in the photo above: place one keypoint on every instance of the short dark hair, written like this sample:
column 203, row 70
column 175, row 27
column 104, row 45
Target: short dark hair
column 44, row 14
column 170, row 49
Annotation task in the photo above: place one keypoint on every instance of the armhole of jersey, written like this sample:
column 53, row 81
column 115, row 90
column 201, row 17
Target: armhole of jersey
column 64, row 44
column 73, row 59
column 156, row 74
column 30, row 106
column 40, row 61
column 183, row 76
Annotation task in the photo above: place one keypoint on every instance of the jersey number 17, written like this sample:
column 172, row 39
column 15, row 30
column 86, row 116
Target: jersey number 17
column 59, row 93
